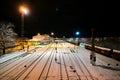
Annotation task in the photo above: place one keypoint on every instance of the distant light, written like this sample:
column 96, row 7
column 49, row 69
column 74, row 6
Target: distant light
column 77, row 33
column 52, row 33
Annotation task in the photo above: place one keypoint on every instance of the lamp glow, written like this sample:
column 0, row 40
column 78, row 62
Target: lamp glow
column 77, row 33
column 23, row 10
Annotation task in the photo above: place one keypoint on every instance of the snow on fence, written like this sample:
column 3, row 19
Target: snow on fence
column 105, row 51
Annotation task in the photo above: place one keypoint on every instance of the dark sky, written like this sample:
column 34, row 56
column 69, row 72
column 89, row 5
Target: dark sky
column 63, row 17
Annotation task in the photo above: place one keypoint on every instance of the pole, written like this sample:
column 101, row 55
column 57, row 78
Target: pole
column 22, row 25
column 93, row 56
column 22, row 30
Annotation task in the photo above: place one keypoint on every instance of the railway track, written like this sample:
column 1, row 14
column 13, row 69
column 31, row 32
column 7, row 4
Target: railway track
column 44, row 73
column 79, row 61
column 31, row 68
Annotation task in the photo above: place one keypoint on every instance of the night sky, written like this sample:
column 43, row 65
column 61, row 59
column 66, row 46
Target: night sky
column 63, row 17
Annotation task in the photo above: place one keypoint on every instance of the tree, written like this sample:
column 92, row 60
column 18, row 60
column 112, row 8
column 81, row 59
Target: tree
column 6, row 34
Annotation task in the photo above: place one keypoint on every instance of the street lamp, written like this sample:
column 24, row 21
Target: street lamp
column 23, row 10
column 52, row 33
column 77, row 33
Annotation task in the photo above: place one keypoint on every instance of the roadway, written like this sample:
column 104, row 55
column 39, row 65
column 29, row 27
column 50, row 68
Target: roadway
column 58, row 61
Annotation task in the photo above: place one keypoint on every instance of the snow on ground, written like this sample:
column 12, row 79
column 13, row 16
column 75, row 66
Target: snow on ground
column 65, row 61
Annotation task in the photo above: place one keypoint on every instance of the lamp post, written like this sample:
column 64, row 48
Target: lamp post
column 52, row 34
column 23, row 10
column 77, row 33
